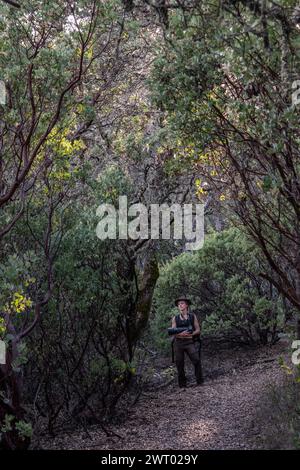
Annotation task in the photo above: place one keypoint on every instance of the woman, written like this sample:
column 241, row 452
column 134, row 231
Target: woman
column 185, row 342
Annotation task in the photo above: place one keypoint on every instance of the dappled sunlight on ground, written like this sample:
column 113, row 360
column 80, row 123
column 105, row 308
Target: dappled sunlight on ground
column 198, row 431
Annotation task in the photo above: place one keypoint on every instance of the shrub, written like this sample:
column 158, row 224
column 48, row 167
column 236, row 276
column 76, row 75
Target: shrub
column 227, row 292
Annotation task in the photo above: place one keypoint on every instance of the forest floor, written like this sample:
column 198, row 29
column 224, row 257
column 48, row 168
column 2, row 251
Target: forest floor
column 220, row 414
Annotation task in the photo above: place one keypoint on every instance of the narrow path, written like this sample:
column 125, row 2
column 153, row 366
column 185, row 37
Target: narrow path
column 217, row 415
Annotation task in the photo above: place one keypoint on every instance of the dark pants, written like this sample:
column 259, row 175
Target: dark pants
column 182, row 346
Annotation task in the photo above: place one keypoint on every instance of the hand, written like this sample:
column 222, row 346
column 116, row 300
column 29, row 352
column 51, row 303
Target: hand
column 184, row 334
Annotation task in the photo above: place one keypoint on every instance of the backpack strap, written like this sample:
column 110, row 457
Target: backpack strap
column 172, row 349
column 192, row 319
column 196, row 338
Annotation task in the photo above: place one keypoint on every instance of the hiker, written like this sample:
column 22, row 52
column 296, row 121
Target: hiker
column 186, row 342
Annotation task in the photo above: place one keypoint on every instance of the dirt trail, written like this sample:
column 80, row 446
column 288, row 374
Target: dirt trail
column 217, row 415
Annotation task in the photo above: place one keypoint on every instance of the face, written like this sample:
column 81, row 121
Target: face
column 182, row 305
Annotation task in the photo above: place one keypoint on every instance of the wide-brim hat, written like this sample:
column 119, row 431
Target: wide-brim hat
column 182, row 297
